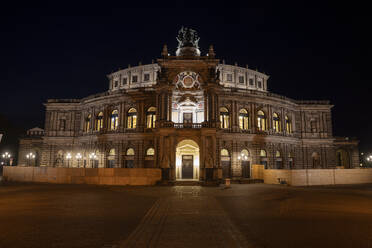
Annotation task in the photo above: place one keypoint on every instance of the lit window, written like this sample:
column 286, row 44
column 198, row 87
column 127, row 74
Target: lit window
column 112, row 152
column 134, row 79
column 288, row 125
column 263, row 153
column 224, row 153
column 114, row 120
column 151, row 117
column 277, row 154
column 224, row 117
column 276, row 123
column 243, row 119
column 99, row 121
column 132, row 118
column 146, row 77
column 263, row 158
column 130, row 152
column 261, row 120
column 150, row 152
column 87, row 123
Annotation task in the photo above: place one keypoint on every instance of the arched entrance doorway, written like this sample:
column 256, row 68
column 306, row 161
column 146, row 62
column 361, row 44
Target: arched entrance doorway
column 225, row 164
column 187, row 160
column 245, row 161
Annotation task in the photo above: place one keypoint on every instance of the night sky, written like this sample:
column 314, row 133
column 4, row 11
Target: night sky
column 310, row 52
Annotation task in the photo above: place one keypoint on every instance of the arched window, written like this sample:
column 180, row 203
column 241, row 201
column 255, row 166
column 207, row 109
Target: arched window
column 87, row 123
column 278, row 160
column 151, row 117
column 288, row 125
column 243, row 119
column 263, row 154
column 99, row 121
column 290, row 160
column 276, row 123
column 129, row 160
column 261, row 120
column 224, row 117
column 263, row 158
column 132, row 118
column 112, row 152
column 130, row 152
column 224, row 153
column 277, row 154
column 244, row 154
column 150, row 152
column 111, row 158
column 114, row 120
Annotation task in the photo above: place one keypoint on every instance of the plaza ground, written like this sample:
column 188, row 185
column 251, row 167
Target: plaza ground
column 256, row 215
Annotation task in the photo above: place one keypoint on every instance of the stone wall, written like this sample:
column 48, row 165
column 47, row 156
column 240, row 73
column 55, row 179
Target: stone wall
column 311, row 177
column 104, row 176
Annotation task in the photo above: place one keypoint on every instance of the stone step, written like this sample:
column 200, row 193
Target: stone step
column 246, row 181
column 187, row 183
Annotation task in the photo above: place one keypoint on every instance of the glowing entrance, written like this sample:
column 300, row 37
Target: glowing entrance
column 187, row 160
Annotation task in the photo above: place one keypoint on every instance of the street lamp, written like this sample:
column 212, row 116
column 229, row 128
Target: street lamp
column 29, row 157
column 92, row 157
column 78, row 157
column 68, row 157
column 6, row 156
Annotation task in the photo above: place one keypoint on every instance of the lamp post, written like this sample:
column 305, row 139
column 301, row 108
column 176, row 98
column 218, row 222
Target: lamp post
column 29, row 157
column 6, row 156
column 78, row 158
column 68, row 157
column 92, row 158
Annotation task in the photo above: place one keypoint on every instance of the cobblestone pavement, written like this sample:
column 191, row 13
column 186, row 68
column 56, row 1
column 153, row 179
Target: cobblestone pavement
column 45, row 215
column 186, row 219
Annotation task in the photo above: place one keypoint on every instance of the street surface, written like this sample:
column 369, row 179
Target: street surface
column 253, row 215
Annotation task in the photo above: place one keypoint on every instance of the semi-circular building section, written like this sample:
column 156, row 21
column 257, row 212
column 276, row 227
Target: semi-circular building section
column 194, row 119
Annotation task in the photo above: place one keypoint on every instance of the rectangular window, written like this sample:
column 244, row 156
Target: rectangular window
column 251, row 81
column 229, row 77
column 116, row 83
column 125, row 81
column 134, row 79
column 146, row 77
column 259, row 84
column 241, row 79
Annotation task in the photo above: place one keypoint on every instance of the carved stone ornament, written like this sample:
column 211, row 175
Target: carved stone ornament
column 187, row 81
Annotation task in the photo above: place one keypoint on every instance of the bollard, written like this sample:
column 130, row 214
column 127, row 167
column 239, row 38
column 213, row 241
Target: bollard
column 227, row 182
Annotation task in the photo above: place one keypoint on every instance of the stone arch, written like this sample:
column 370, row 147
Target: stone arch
column 187, row 159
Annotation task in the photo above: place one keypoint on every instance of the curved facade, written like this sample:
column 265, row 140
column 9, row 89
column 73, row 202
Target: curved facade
column 192, row 116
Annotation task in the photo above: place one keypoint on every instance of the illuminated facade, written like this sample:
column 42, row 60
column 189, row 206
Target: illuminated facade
column 192, row 116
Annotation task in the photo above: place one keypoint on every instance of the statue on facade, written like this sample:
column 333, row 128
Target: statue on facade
column 187, row 37
column 188, row 41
